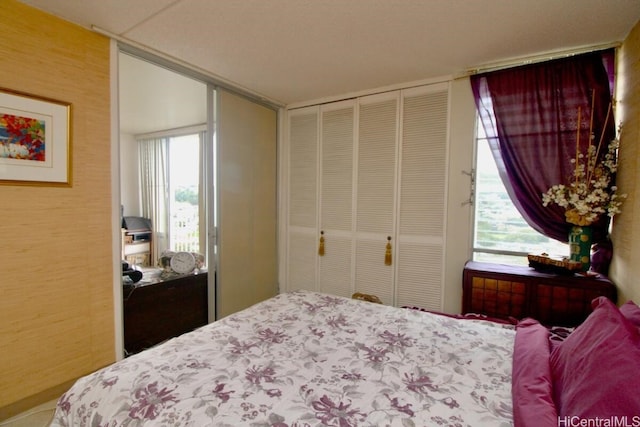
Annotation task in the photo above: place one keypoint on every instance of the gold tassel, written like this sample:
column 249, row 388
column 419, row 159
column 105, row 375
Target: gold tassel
column 387, row 254
column 321, row 248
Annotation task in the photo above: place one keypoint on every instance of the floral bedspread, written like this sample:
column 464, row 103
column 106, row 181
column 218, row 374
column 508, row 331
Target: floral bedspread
column 306, row 359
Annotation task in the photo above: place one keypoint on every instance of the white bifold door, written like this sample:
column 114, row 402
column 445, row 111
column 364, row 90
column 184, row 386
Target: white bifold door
column 366, row 190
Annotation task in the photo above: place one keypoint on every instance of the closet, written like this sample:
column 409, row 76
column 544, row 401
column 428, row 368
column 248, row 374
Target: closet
column 366, row 196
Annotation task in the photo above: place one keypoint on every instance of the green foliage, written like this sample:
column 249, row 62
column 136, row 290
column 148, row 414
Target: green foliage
column 187, row 195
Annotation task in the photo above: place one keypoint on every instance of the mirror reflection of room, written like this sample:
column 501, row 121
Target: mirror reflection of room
column 162, row 137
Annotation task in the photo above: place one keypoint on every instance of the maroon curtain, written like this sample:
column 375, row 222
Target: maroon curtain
column 530, row 116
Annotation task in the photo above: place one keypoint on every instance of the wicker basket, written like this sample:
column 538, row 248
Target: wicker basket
column 557, row 265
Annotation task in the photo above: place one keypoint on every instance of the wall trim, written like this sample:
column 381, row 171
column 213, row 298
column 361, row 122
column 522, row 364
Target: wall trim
column 32, row 401
column 115, row 203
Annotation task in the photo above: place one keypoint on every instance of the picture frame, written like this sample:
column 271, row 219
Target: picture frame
column 35, row 140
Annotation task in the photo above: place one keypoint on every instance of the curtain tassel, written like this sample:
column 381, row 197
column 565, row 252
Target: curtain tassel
column 321, row 247
column 387, row 254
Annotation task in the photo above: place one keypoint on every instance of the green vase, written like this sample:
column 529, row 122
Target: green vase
column 580, row 245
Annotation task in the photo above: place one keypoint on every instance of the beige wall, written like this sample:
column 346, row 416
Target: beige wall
column 56, row 292
column 625, row 269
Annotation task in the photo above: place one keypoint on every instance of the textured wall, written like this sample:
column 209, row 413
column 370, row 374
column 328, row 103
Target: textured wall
column 625, row 270
column 56, row 280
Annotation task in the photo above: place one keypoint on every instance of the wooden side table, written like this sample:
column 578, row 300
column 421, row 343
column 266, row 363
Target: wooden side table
column 506, row 291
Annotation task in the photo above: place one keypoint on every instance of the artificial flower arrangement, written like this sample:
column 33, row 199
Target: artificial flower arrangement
column 589, row 195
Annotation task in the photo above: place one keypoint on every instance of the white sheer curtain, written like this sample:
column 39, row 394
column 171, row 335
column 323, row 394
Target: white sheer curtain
column 202, row 194
column 154, row 191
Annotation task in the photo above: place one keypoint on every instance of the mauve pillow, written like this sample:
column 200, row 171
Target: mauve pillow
column 631, row 311
column 531, row 388
column 595, row 370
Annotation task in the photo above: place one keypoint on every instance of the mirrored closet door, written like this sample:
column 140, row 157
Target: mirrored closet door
column 198, row 170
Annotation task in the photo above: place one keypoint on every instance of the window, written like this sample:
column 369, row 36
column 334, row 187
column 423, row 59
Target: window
column 171, row 191
column 501, row 235
column 184, row 193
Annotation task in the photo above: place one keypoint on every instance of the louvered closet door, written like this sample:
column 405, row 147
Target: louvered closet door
column 421, row 201
column 336, row 197
column 375, row 200
column 302, row 228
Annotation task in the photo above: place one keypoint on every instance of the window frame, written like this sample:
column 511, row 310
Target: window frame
column 504, row 256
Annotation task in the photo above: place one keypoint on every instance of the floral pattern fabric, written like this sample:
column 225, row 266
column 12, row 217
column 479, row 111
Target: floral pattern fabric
column 305, row 359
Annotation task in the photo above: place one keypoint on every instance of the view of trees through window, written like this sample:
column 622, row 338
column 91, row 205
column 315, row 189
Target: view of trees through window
column 184, row 200
column 501, row 234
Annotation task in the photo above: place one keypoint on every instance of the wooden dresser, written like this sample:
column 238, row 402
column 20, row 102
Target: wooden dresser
column 506, row 291
column 158, row 311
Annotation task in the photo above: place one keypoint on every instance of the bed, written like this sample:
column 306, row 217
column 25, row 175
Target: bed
column 310, row 359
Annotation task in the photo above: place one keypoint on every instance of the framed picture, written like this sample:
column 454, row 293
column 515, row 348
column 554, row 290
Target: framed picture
column 35, row 140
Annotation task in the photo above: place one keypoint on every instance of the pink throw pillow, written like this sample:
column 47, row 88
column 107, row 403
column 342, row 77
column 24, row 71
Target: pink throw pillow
column 532, row 389
column 595, row 370
column 631, row 311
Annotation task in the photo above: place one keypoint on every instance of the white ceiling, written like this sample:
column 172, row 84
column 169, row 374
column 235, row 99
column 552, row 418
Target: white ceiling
column 298, row 50
column 153, row 98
